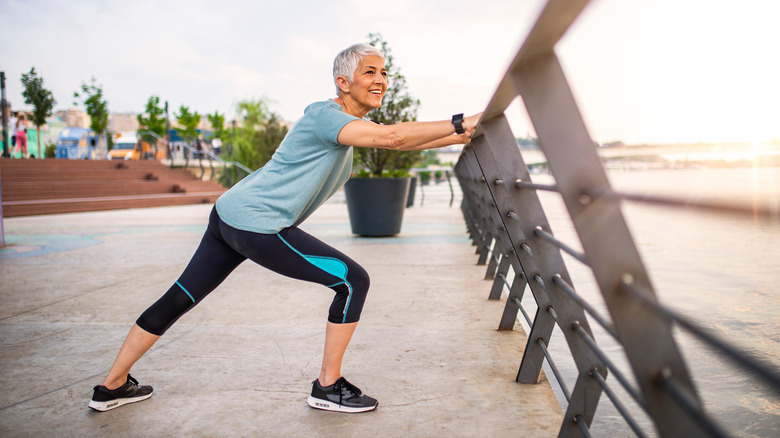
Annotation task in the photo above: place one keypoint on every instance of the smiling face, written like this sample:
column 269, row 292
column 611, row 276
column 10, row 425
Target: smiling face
column 367, row 88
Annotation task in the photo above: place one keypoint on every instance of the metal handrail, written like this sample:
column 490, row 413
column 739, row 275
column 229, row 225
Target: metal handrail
column 508, row 225
column 191, row 151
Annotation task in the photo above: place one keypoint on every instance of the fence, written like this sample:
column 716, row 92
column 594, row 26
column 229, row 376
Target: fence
column 182, row 152
column 508, row 225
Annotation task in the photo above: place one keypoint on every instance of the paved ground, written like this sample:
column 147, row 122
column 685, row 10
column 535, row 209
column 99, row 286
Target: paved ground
column 241, row 363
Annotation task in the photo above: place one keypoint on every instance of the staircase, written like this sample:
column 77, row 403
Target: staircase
column 50, row 186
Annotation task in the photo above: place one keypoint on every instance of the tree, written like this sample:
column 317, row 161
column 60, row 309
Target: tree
column 258, row 134
column 397, row 106
column 40, row 98
column 217, row 121
column 153, row 118
column 189, row 122
column 96, row 106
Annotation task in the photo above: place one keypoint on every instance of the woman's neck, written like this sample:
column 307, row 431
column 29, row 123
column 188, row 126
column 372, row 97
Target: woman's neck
column 351, row 107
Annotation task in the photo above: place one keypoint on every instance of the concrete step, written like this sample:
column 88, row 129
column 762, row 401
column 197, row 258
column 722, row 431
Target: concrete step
column 33, row 187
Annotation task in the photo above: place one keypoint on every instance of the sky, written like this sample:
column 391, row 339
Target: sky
column 642, row 71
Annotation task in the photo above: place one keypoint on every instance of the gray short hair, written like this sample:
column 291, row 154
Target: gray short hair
column 347, row 61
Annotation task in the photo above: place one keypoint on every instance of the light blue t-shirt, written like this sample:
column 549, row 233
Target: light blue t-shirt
column 308, row 168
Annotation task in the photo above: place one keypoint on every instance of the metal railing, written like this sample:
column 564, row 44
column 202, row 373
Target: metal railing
column 182, row 152
column 420, row 183
column 507, row 223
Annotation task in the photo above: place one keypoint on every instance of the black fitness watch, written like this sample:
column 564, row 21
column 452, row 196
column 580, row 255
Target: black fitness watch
column 457, row 120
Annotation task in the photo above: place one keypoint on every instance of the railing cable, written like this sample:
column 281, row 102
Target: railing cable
column 741, row 357
column 617, row 403
column 522, row 310
column 762, row 211
column 556, row 372
column 520, row 184
column 610, row 366
column 686, row 401
column 539, row 231
column 557, row 279
column 583, row 427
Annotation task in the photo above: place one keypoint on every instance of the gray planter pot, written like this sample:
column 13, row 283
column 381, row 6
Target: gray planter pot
column 376, row 205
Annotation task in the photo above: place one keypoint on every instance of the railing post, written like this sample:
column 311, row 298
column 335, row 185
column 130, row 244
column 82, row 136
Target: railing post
column 571, row 154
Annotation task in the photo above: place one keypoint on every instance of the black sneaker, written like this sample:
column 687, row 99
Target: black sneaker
column 104, row 399
column 341, row 396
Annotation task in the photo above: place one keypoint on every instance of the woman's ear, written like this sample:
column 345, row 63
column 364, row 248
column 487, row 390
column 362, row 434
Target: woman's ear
column 343, row 84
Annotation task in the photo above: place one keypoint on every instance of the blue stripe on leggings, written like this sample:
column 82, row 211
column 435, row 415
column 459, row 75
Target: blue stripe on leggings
column 332, row 266
column 185, row 291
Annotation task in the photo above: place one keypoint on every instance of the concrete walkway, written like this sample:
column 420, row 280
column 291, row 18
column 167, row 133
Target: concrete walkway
column 241, row 363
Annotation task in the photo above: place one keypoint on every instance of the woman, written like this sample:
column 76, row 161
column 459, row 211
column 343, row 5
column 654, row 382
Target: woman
column 258, row 219
column 21, row 136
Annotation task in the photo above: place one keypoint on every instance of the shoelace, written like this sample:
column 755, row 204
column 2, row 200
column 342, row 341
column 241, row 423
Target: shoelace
column 131, row 380
column 343, row 384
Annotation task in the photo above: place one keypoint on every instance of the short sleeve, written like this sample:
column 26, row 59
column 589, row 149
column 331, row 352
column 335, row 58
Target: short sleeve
column 330, row 120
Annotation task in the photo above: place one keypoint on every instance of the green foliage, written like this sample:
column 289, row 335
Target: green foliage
column 39, row 97
column 153, row 118
column 96, row 106
column 430, row 158
column 217, row 121
column 258, row 134
column 51, row 150
column 188, row 122
column 397, row 106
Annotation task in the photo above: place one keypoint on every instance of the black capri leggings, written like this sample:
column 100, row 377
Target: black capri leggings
column 292, row 252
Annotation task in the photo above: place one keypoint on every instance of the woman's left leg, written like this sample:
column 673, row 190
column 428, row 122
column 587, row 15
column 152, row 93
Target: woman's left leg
column 297, row 254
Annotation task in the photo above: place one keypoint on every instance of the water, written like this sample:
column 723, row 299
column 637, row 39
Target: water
column 722, row 271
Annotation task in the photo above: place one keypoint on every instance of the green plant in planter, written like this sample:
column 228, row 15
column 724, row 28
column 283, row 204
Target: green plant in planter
column 378, row 195
column 425, row 176
column 397, row 106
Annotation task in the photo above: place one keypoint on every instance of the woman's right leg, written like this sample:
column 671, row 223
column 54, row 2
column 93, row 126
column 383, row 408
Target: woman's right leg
column 138, row 342
column 212, row 262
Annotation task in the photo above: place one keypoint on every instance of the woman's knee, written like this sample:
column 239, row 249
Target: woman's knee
column 161, row 315
column 359, row 279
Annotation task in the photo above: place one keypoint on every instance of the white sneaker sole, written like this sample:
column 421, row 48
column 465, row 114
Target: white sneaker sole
column 318, row 403
column 113, row 404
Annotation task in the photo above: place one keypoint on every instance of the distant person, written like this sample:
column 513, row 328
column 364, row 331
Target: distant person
column 21, row 136
column 258, row 219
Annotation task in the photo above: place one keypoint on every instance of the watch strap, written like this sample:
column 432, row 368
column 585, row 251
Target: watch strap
column 457, row 120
